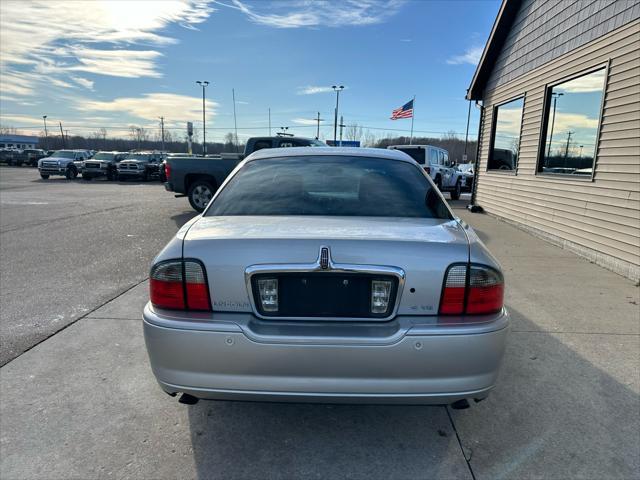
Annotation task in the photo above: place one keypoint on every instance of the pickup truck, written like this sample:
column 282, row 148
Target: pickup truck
column 198, row 178
column 436, row 162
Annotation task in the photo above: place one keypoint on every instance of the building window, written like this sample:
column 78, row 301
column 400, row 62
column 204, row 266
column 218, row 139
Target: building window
column 505, row 140
column 571, row 122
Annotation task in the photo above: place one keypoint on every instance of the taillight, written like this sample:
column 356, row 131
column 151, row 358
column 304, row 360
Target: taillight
column 472, row 290
column 453, row 294
column 179, row 285
column 167, row 171
column 486, row 290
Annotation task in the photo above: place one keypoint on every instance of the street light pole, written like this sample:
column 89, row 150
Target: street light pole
column 162, row 131
column 553, row 120
column 336, row 89
column 204, row 85
column 46, row 134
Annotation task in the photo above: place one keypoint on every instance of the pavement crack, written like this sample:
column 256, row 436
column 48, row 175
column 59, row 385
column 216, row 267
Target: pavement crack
column 462, row 450
column 76, row 320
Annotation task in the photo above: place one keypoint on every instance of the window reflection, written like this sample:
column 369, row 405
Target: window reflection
column 572, row 117
column 506, row 136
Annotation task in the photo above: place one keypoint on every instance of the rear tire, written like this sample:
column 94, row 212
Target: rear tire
column 44, row 176
column 200, row 194
column 455, row 193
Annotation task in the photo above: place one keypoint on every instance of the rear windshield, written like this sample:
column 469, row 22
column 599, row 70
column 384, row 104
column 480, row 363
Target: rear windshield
column 416, row 153
column 328, row 185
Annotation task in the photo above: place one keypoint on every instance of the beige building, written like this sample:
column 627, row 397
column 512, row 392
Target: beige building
column 558, row 86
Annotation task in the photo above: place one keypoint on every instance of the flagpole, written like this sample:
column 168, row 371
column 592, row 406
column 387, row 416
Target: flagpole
column 412, row 117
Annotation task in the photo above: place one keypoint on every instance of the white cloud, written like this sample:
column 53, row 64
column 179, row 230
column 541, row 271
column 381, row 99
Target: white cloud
column 151, row 106
column 83, row 82
column 312, row 90
column 59, row 37
column 471, row 56
column 594, row 82
column 304, row 121
column 572, row 121
column 304, row 13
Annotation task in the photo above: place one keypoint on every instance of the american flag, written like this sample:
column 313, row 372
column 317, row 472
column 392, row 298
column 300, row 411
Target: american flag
column 405, row 111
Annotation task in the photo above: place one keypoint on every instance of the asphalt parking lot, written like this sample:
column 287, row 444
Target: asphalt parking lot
column 67, row 247
column 83, row 403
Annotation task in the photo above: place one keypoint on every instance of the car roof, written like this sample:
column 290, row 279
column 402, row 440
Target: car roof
column 414, row 146
column 329, row 151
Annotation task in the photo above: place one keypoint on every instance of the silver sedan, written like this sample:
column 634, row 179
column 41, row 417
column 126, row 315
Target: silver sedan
column 326, row 275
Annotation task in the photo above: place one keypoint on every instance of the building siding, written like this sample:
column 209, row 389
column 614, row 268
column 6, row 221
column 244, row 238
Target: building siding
column 544, row 30
column 599, row 218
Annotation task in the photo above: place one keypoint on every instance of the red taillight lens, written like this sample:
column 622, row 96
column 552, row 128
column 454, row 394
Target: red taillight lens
column 196, row 287
column 486, row 290
column 179, row 285
column 167, row 171
column 472, row 290
column 454, row 291
column 165, row 285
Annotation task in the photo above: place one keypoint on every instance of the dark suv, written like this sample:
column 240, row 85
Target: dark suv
column 142, row 165
column 102, row 164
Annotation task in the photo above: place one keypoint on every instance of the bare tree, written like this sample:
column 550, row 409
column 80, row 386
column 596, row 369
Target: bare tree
column 353, row 132
column 8, row 131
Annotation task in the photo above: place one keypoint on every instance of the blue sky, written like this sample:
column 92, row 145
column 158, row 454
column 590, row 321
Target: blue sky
column 113, row 64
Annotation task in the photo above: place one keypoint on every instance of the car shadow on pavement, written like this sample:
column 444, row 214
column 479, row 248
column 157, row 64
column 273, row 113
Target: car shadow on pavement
column 278, row 440
column 564, row 407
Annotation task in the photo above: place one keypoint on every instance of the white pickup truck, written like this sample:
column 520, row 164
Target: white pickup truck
column 436, row 162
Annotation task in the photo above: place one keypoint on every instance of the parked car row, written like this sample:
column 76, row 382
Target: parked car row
column 17, row 157
column 112, row 165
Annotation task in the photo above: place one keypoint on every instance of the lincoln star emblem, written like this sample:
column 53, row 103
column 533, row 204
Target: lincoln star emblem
column 324, row 258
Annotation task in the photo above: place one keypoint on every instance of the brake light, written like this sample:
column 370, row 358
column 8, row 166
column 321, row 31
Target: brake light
column 472, row 290
column 454, row 291
column 167, row 171
column 179, row 285
column 486, row 290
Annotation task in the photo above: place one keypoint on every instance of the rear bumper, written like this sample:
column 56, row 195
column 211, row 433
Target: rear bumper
column 236, row 356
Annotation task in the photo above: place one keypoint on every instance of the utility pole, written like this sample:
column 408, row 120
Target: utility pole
column 204, row 85
column 235, row 123
column 336, row 89
column 269, row 121
column 581, row 146
column 342, row 125
column 318, row 119
column 67, row 135
column 46, row 134
column 162, row 131
column 466, row 137
column 553, row 120
column 64, row 145
column 566, row 150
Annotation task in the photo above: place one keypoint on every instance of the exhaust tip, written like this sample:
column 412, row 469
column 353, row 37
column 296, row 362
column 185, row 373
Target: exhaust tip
column 187, row 399
column 460, row 404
